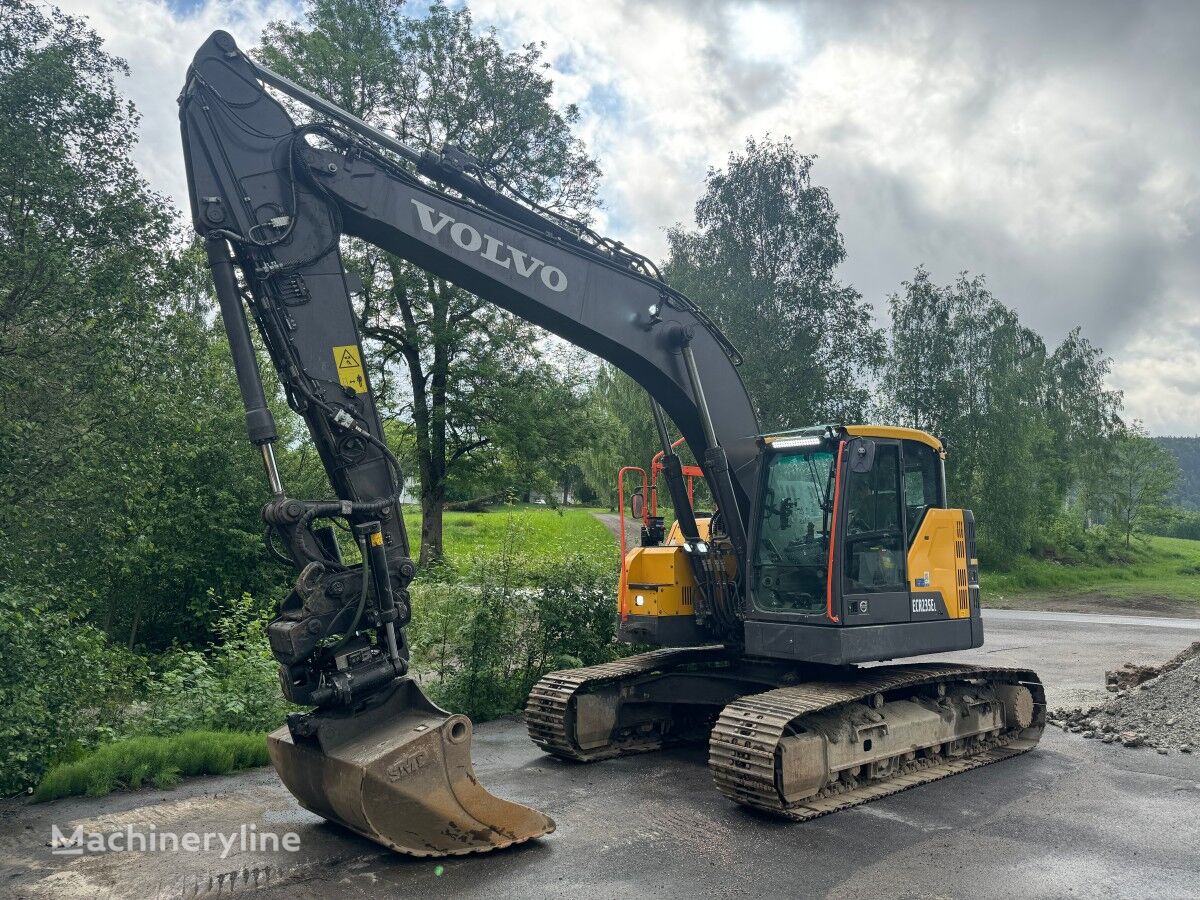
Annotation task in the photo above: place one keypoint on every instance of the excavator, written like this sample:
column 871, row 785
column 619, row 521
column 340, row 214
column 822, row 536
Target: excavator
column 829, row 550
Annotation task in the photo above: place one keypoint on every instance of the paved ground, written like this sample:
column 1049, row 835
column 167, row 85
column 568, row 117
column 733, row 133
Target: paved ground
column 612, row 521
column 1073, row 818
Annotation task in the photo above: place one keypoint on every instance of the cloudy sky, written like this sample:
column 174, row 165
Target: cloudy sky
column 1054, row 147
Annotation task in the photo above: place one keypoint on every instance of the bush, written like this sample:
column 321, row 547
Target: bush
column 484, row 637
column 160, row 761
column 62, row 684
column 481, row 636
column 1063, row 538
column 233, row 685
column 65, row 689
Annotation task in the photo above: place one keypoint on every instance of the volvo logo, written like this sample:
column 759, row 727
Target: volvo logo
column 490, row 248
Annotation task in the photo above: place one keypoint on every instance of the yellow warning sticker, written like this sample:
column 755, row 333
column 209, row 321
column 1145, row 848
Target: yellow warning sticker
column 349, row 368
column 377, row 539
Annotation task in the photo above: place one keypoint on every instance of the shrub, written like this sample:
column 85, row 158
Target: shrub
column 1180, row 523
column 483, row 638
column 1062, row 538
column 233, row 685
column 61, row 686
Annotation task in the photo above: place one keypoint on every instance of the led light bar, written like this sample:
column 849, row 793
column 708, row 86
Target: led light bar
column 789, row 443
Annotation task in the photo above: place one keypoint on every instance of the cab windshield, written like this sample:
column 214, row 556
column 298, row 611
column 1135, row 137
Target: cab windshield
column 790, row 559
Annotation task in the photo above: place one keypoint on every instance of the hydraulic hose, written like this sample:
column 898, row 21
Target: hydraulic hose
column 362, row 600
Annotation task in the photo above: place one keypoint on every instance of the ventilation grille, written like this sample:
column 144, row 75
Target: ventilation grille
column 972, row 562
column 960, row 569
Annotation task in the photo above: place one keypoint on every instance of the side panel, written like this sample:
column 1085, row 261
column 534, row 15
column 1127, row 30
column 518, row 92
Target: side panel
column 660, row 582
column 660, row 593
column 937, row 565
column 973, row 577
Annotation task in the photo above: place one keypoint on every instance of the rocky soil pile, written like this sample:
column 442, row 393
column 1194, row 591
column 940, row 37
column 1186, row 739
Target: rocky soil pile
column 1153, row 706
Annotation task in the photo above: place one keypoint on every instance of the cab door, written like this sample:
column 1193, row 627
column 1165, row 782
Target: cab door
column 874, row 544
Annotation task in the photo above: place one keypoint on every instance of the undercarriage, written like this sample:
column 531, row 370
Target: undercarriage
column 796, row 741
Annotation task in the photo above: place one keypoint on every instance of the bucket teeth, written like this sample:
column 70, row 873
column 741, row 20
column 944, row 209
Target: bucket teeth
column 400, row 774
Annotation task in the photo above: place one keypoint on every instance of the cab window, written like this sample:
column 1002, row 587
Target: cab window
column 874, row 543
column 790, row 559
column 922, row 483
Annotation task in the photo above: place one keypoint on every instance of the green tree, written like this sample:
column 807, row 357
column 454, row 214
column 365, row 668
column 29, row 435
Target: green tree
column 128, row 488
column 921, row 380
column 1141, row 478
column 1029, row 433
column 551, row 428
column 1084, row 415
column 79, row 238
column 535, row 427
column 762, row 262
column 625, row 433
column 1187, row 453
column 432, row 79
column 961, row 366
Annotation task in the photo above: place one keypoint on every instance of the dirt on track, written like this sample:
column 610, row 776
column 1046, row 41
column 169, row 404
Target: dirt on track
column 1099, row 602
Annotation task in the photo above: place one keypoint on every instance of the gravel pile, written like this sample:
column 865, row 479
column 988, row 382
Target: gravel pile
column 1153, row 706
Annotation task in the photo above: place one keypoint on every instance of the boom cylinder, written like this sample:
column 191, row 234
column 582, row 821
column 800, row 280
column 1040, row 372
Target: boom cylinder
column 716, row 464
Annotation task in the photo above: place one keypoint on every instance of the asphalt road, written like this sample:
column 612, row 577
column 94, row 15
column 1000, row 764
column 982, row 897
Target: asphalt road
column 1073, row 818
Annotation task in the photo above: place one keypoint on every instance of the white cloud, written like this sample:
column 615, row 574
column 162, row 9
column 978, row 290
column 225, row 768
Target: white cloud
column 1043, row 146
column 1051, row 147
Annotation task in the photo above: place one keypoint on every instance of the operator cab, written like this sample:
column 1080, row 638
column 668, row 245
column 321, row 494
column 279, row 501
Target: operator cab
column 890, row 483
column 853, row 555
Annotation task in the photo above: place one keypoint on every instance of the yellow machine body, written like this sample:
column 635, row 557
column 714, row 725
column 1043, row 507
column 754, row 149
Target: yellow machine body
column 938, row 556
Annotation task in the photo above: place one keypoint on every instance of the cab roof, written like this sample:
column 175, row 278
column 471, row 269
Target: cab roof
column 892, row 432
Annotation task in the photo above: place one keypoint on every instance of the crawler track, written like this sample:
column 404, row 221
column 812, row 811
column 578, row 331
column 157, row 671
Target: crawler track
column 744, row 743
column 548, row 710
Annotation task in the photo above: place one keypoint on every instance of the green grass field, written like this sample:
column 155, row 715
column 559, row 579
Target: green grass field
column 529, row 530
column 1164, row 568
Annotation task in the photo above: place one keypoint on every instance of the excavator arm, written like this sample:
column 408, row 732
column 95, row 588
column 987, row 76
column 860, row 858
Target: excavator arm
column 272, row 200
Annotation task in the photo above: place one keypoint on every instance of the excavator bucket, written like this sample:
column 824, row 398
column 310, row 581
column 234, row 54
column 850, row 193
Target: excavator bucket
column 400, row 774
